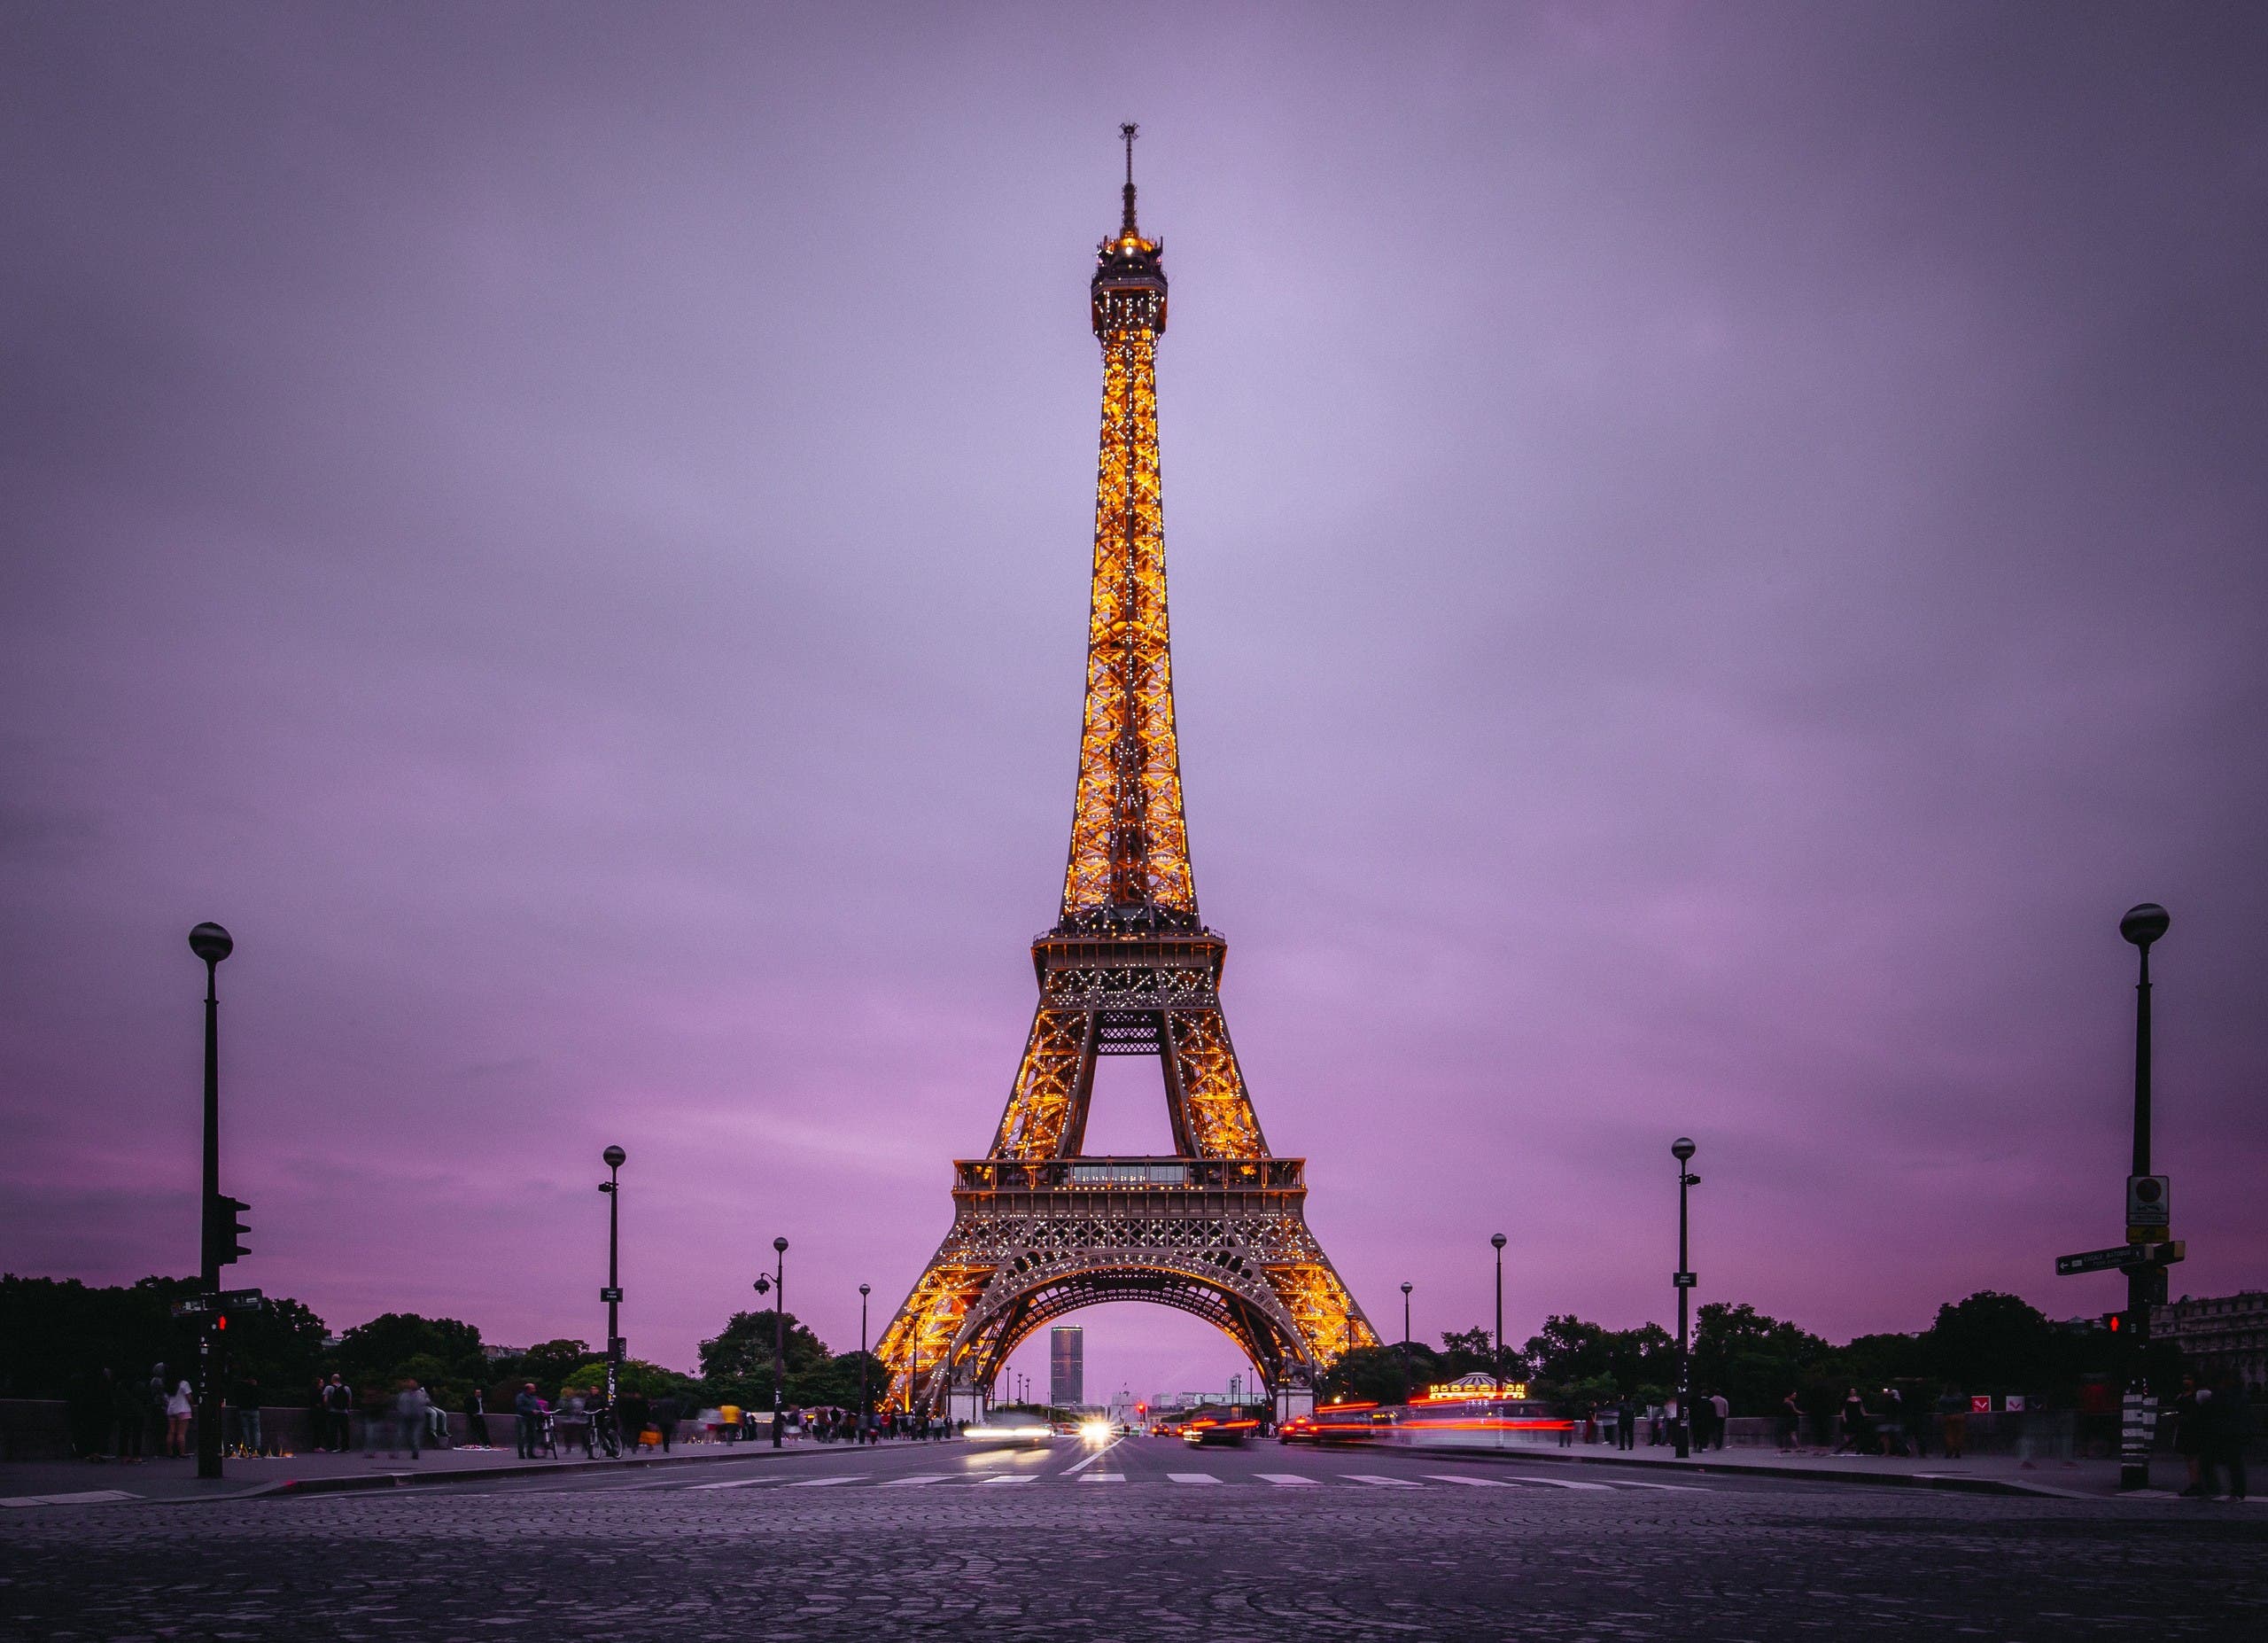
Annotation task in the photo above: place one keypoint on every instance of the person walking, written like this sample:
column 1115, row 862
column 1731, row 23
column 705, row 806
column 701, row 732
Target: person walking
column 667, row 1413
column 2190, row 1417
column 1720, row 1417
column 2227, row 1435
column 1952, row 1423
column 410, row 1407
column 245, row 1400
column 179, row 1403
column 128, row 1411
column 338, row 1415
column 637, row 1415
column 1791, row 1422
column 527, row 1413
column 1890, row 1430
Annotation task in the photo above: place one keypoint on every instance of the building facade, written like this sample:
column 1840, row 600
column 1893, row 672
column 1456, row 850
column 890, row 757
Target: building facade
column 2220, row 1334
column 1067, row 1366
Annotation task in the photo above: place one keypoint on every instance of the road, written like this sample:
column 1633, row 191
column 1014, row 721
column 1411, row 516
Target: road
column 1144, row 1539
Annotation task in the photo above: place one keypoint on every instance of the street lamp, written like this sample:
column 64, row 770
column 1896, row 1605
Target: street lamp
column 2145, row 1281
column 613, row 1157
column 865, row 1289
column 1682, row 1151
column 778, row 1329
column 1405, row 1341
column 1497, row 1363
column 212, row 943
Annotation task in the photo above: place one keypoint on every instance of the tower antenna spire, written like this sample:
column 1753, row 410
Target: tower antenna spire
column 1128, row 132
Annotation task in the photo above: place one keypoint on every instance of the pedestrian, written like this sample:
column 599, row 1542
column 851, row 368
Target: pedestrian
column 89, row 1413
column 179, row 1405
column 476, row 1420
column 1720, row 1417
column 1857, row 1425
column 1625, row 1422
column 637, row 1411
column 667, row 1413
column 338, row 1415
column 412, row 1404
column 2227, row 1435
column 1917, row 1426
column 1889, row 1431
column 129, row 1411
column 1952, row 1423
column 246, row 1401
column 2189, row 1422
column 1791, row 1422
column 155, row 1393
column 527, row 1411
column 574, row 1419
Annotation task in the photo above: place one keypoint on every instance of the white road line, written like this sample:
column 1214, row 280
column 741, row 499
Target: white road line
column 745, row 1483
column 1290, row 1478
column 1028, row 1477
column 1682, row 1489
column 1565, row 1482
column 1092, row 1459
column 1193, row 1477
column 821, row 1483
column 1476, row 1483
column 918, row 1477
column 1103, row 1478
column 1383, row 1482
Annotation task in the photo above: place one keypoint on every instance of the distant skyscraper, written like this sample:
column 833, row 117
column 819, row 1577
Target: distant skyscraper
column 1067, row 1366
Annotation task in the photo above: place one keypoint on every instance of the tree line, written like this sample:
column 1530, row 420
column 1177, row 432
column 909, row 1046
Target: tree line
column 57, row 1335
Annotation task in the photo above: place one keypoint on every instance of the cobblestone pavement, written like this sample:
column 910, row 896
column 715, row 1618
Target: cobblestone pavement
column 1145, row 1540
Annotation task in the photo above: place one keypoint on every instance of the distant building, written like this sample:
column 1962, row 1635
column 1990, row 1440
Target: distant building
column 497, row 1354
column 1067, row 1366
column 2218, row 1335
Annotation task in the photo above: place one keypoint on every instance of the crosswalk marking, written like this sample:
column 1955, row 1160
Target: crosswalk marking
column 1028, row 1477
column 1287, row 1477
column 820, row 1483
column 1103, row 1478
column 1682, row 1489
column 1476, row 1483
column 744, row 1483
column 1564, row 1482
column 918, row 1477
column 1193, row 1477
column 1384, row 1483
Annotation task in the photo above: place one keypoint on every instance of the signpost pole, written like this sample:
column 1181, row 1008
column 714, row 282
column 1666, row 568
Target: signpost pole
column 2144, row 1280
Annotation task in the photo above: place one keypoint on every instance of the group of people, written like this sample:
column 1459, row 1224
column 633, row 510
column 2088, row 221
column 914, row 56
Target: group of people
column 122, row 1416
column 2213, row 1426
column 584, row 1418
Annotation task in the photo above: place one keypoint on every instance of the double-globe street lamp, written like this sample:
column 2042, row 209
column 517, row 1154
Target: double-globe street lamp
column 865, row 1289
column 778, row 1284
column 614, row 1158
column 1405, row 1339
column 1682, row 1151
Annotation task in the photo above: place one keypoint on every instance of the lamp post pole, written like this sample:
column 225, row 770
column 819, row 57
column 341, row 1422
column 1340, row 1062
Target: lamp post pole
column 778, row 1329
column 1497, row 1363
column 614, row 1158
column 864, row 1291
column 1405, row 1341
column 212, row 943
column 2146, row 1281
column 1682, row 1151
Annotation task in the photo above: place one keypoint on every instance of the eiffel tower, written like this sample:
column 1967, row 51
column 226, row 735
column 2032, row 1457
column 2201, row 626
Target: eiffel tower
column 1041, row 1228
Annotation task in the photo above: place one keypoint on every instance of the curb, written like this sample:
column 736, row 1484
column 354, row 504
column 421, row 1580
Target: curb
column 1840, row 1475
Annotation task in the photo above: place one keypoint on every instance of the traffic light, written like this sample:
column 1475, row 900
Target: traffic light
column 224, row 1233
column 2114, row 1322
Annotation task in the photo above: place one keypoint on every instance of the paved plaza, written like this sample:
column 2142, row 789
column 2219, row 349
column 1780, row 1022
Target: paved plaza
column 1145, row 1539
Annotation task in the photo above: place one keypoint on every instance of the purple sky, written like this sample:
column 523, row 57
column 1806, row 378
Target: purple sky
column 1713, row 552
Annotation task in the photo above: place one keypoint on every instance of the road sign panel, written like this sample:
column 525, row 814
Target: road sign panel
column 2148, row 1203
column 242, row 1300
column 1683, row 1280
column 191, row 1307
column 610, row 1293
column 2100, row 1260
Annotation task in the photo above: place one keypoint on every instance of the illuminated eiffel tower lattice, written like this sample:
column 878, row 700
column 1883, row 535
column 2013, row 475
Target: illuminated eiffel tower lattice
column 1041, row 1228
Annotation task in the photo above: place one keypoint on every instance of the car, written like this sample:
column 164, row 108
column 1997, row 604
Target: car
column 1209, row 1433
column 1017, row 1430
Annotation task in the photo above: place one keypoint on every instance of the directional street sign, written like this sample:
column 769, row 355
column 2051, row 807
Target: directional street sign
column 609, row 1294
column 2100, row 1260
column 240, row 1300
column 1683, row 1280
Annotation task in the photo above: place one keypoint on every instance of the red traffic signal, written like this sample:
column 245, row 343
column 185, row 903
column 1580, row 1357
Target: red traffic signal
column 2114, row 1322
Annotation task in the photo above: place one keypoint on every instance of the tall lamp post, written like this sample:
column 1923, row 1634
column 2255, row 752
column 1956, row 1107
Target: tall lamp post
column 865, row 1289
column 1497, row 1363
column 778, row 1329
column 614, row 1158
column 1682, row 1151
column 2145, row 1281
column 1405, row 1341
column 212, row 943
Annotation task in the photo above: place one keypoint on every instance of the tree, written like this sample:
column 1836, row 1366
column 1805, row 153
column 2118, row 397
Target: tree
column 442, row 1354
column 549, row 1364
column 1755, row 1361
column 1995, row 1343
column 1366, row 1375
column 736, row 1364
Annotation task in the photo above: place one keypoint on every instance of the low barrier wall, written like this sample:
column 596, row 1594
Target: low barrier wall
column 39, row 1429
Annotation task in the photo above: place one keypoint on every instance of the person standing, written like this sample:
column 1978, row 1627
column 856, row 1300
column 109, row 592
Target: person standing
column 128, row 1411
column 179, row 1405
column 527, row 1411
column 1791, row 1422
column 1625, row 1422
column 246, row 1401
column 667, row 1413
column 1720, row 1417
column 637, row 1415
column 476, row 1420
column 2189, row 1420
column 1952, row 1423
column 2227, row 1435
column 337, row 1416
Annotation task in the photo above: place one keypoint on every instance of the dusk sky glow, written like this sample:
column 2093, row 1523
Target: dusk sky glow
column 1714, row 552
